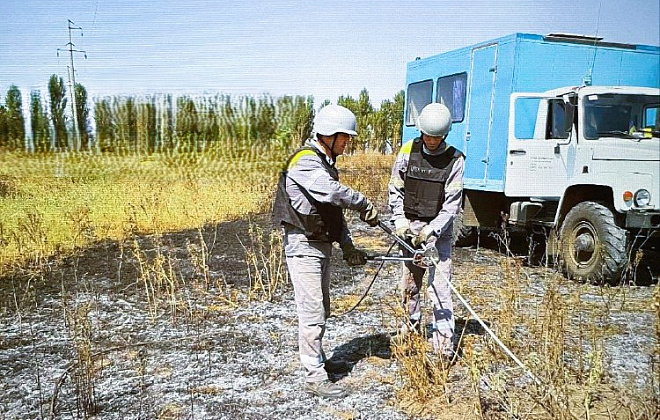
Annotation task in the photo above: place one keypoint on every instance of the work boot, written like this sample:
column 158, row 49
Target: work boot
column 443, row 345
column 325, row 389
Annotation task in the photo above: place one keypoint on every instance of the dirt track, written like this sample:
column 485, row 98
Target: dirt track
column 210, row 360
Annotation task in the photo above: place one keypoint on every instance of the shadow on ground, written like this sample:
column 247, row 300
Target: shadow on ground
column 348, row 355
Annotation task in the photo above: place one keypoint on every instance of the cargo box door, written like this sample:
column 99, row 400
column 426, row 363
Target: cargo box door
column 483, row 74
column 539, row 149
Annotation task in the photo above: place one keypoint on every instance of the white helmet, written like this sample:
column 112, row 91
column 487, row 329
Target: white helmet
column 333, row 119
column 434, row 120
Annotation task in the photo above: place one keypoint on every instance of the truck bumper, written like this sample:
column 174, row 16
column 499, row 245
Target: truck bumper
column 635, row 219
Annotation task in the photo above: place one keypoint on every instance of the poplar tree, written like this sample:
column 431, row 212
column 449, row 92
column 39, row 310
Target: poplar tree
column 165, row 124
column 146, row 126
column 125, row 112
column 15, row 119
column 83, row 116
column 105, row 126
column 3, row 127
column 294, row 117
column 57, row 93
column 392, row 117
column 39, row 123
column 187, row 124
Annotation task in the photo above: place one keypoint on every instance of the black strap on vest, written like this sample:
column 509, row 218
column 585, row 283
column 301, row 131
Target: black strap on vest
column 325, row 221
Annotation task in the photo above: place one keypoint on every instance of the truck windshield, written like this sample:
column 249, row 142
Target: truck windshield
column 617, row 115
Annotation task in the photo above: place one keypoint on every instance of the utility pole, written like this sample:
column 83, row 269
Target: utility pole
column 72, row 83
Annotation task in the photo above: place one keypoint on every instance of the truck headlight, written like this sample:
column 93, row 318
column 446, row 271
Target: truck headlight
column 642, row 198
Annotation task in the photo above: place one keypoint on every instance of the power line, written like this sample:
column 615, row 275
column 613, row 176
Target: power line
column 72, row 80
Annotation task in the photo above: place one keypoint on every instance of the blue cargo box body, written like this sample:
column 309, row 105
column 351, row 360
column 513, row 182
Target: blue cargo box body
column 495, row 69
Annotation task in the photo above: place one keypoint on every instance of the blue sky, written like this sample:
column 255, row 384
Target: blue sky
column 320, row 48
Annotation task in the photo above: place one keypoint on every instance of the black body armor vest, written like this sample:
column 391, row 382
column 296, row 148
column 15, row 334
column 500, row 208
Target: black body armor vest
column 425, row 182
column 325, row 221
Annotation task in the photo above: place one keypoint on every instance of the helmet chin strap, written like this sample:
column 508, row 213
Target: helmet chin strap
column 333, row 155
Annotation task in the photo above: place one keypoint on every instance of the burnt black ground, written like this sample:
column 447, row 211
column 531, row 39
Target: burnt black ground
column 212, row 360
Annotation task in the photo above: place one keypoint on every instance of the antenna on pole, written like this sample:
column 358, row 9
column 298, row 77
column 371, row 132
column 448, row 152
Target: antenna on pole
column 72, row 81
column 588, row 78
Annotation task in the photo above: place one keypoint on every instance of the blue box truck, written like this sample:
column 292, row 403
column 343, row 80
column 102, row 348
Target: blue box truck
column 561, row 137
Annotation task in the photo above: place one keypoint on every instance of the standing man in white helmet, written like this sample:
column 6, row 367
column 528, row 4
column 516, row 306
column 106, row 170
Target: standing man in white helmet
column 425, row 193
column 308, row 205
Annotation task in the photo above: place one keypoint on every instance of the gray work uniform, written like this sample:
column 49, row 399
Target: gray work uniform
column 411, row 280
column 308, row 259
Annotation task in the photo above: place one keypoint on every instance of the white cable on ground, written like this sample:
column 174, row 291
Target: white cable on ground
column 483, row 324
column 434, row 261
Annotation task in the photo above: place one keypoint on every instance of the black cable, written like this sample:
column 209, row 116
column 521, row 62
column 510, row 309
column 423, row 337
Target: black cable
column 371, row 283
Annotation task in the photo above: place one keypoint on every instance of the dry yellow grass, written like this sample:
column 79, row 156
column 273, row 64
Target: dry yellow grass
column 57, row 202
column 52, row 203
column 368, row 173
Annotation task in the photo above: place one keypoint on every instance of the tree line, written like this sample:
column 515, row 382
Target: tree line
column 165, row 123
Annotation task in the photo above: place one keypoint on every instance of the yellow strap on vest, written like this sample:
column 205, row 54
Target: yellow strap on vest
column 298, row 155
column 406, row 148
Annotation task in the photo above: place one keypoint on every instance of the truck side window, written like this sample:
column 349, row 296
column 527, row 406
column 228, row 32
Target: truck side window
column 452, row 94
column 652, row 117
column 527, row 124
column 556, row 120
column 419, row 95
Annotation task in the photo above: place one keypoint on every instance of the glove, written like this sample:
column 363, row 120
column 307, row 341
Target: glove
column 423, row 237
column 353, row 256
column 402, row 228
column 369, row 215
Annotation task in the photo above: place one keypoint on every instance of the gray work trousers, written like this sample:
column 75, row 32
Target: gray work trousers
column 308, row 263
column 438, row 292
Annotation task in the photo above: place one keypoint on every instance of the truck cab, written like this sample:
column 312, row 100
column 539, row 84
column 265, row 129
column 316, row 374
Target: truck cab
column 584, row 162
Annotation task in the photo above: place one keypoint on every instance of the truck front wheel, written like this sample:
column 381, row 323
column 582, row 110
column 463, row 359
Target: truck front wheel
column 593, row 247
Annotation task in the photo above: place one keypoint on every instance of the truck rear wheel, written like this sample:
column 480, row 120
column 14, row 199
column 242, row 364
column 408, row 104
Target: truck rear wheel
column 593, row 247
column 464, row 236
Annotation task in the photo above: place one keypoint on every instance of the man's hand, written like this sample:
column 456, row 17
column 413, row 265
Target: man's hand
column 423, row 237
column 353, row 256
column 402, row 228
column 369, row 215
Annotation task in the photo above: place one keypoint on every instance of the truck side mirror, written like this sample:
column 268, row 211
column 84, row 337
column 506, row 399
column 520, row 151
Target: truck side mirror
column 569, row 115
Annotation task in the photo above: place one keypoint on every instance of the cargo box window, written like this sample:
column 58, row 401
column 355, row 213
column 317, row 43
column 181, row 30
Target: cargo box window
column 451, row 93
column 419, row 95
